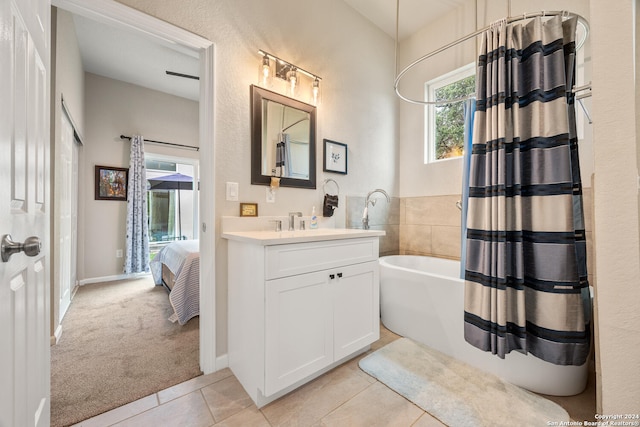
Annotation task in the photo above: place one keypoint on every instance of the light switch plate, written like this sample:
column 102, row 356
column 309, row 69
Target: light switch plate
column 232, row 191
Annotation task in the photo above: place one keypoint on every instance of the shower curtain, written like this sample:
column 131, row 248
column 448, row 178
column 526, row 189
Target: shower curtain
column 469, row 109
column 526, row 283
column 137, row 244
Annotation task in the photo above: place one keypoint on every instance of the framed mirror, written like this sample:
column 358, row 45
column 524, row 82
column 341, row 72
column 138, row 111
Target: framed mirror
column 283, row 140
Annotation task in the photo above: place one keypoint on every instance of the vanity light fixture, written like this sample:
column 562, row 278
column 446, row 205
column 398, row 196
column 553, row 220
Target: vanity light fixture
column 291, row 74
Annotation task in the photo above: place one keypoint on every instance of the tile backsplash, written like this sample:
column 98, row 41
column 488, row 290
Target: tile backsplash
column 383, row 216
column 431, row 226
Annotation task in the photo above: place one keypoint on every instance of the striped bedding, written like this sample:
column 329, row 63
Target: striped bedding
column 183, row 259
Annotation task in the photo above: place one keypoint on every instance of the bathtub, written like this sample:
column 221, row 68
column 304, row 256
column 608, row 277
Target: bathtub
column 422, row 298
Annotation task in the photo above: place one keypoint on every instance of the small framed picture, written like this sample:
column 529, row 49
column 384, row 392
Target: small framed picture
column 248, row 209
column 111, row 183
column 335, row 157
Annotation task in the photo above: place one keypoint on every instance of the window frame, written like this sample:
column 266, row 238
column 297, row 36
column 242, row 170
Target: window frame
column 430, row 88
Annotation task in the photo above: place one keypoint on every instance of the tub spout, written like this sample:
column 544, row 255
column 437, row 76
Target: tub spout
column 368, row 200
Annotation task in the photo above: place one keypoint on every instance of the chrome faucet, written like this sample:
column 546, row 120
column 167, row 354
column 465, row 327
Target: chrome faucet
column 367, row 201
column 292, row 219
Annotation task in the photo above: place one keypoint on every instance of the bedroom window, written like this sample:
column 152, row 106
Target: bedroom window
column 444, row 136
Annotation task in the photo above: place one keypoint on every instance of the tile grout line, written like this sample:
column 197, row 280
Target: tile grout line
column 215, row 421
column 158, row 404
column 347, row 401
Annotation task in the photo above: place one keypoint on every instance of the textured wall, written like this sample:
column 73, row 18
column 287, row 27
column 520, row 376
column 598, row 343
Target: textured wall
column 616, row 206
column 359, row 108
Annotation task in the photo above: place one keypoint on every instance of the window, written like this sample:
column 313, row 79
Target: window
column 172, row 210
column 444, row 136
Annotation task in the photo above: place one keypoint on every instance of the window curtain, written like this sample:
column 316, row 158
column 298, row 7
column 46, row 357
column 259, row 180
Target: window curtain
column 526, row 283
column 137, row 245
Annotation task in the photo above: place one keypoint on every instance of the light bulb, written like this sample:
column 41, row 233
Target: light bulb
column 315, row 91
column 293, row 81
column 265, row 72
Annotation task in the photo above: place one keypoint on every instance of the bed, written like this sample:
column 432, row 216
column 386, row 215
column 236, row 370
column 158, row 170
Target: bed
column 177, row 267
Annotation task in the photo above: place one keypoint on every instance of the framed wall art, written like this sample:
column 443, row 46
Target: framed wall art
column 335, row 157
column 248, row 209
column 111, row 183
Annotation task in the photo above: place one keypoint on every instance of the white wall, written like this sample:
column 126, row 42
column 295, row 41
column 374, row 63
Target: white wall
column 114, row 108
column 444, row 177
column 69, row 82
column 617, row 214
column 355, row 61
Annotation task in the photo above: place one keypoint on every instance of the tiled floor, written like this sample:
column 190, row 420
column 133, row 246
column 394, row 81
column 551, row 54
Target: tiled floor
column 345, row 396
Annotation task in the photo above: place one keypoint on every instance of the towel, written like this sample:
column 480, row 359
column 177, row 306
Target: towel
column 330, row 203
column 280, row 156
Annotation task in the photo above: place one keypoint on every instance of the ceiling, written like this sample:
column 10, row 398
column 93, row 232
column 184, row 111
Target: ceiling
column 414, row 14
column 123, row 55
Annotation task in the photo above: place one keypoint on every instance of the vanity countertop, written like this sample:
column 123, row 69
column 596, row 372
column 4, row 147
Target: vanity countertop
column 266, row 238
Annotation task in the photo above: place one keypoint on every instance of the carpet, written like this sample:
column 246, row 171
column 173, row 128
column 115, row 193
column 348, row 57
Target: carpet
column 458, row 394
column 117, row 346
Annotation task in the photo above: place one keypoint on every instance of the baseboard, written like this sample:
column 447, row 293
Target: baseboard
column 56, row 335
column 222, row 362
column 112, row 278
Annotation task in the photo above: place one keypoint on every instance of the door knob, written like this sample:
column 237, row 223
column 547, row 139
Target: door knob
column 30, row 247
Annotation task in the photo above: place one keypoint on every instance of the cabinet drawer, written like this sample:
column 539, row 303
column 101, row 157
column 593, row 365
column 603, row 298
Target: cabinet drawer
column 298, row 258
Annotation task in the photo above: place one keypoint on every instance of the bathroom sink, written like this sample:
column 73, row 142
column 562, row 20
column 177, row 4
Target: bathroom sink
column 298, row 236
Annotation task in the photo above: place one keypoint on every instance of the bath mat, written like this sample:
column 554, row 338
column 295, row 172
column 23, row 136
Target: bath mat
column 458, row 394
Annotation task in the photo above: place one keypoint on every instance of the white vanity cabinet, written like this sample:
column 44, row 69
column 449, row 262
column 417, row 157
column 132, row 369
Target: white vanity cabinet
column 298, row 309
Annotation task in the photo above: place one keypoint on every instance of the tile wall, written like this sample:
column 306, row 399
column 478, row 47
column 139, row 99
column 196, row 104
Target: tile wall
column 383, row 216
column 430, row 226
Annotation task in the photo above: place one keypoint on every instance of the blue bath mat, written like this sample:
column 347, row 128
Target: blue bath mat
column 457, row 394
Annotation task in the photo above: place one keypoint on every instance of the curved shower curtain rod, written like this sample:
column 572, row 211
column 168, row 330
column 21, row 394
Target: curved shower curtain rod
column 509, row 20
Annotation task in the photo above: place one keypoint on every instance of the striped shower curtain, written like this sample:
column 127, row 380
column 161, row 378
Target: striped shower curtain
column 526, row 283
column 137, row 243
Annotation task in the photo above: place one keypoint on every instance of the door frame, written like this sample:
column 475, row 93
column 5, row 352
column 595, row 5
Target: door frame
column 120, row 15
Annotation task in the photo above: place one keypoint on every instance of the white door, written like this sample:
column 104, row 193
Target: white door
column 66, row 208
column 24, row 211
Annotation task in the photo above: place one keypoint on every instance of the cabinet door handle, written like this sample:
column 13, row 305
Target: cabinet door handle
column 332, row 276
column 339, row 274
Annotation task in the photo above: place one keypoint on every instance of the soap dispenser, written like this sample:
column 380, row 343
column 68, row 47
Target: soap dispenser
column 314, row 218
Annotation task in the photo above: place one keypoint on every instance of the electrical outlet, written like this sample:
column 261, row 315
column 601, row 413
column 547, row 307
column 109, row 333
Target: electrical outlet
column 271, row 195
column 118, row 253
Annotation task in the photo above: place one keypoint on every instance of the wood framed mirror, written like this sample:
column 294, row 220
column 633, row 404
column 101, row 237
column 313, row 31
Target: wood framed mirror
column 283, row 140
